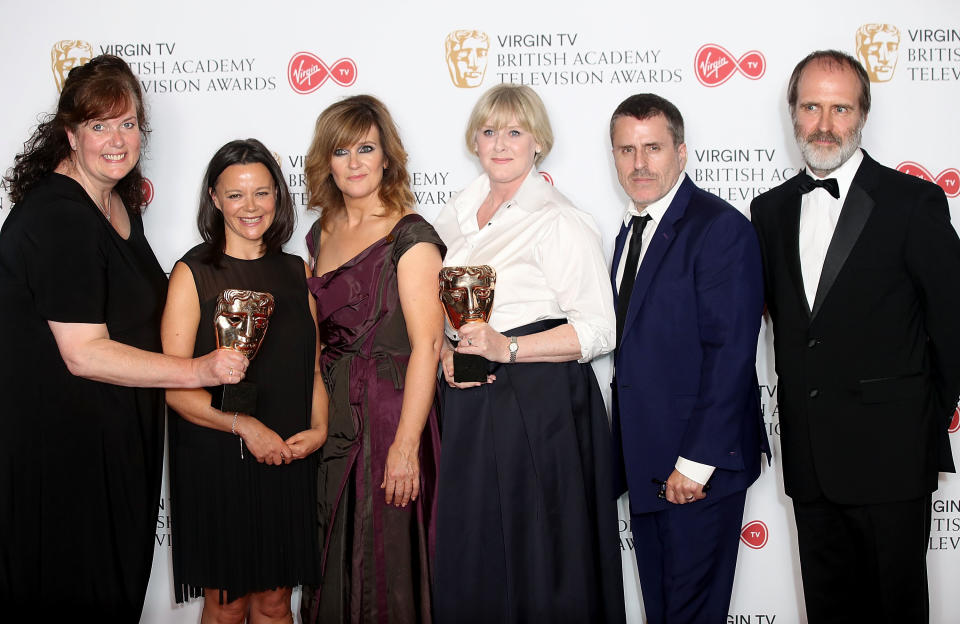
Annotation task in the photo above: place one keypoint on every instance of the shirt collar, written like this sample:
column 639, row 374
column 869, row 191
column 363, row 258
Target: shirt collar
column 844, row 173
column 466, row 204
column 657, row 209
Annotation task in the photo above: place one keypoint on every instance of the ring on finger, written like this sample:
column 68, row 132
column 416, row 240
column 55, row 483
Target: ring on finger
column 231, row 372
column 469, row 342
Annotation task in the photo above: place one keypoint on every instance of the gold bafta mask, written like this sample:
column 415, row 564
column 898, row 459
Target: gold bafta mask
column 466, row 52
column 878, row 46
column 467, row 293
column 241, row 320
column 67, row 54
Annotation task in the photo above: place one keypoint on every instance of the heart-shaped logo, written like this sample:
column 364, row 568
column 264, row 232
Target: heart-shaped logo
column 306, row 72
column 714, row 65
column 948, row 179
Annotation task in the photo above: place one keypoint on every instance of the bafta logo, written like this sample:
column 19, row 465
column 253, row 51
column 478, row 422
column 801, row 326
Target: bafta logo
column 240, row 320
column 67, row 54
column 466, row 52
column 466, row 293
column 877, row 48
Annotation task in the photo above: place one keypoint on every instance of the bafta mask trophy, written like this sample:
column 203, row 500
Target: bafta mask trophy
column 467, row 296
column 241, row 321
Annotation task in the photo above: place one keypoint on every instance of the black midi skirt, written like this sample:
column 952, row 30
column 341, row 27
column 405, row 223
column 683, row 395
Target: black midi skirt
column 527, row 522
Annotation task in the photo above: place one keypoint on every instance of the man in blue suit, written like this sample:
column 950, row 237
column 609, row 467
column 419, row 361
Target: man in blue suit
column 687, row 423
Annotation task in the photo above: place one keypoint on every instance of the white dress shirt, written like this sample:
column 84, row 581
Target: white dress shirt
column 819, row 212
column 695, row 471
column 547, row 255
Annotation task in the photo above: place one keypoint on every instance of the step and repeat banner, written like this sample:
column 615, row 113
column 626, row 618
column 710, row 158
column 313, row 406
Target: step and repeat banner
column 215, row 71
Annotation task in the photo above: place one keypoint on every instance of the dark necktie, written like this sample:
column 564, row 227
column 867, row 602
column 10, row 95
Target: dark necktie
column 807, row 184
column 629, row 271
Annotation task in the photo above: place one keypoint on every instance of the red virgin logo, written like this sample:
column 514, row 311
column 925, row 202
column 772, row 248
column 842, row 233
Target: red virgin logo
column 714, row 65
column 955, row 421
column 546, row 176
column 754, row 534
column 948, row 179
column 306, row 72
column 147, row 187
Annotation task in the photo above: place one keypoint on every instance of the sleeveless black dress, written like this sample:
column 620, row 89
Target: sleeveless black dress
column 239, row 525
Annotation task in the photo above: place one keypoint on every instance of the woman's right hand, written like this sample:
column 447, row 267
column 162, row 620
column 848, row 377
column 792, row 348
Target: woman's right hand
column 219, row 367
column 262, row 441
column 446, row 362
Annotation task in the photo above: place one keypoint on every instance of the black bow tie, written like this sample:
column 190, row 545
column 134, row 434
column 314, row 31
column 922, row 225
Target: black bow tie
column 807, row 184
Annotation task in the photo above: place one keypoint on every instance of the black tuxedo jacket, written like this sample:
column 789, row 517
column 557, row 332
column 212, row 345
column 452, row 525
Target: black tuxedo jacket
column 869, row 377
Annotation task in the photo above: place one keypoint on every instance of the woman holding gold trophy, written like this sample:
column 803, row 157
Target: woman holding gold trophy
column 81, row 292
column 375, row 265
column 527, row 520
column 243, row 482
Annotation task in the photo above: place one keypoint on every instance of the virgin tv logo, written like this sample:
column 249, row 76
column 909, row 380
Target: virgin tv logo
column 546, row 176
column 147, row 186
column 714, row 65
column 306, row 72
column 955, row 421
column 754, row 534
column 948, row 179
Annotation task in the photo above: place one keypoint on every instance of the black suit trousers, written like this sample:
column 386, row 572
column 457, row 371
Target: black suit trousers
column 864, row 563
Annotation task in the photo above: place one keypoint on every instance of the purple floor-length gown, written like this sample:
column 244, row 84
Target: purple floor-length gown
column 376, row 557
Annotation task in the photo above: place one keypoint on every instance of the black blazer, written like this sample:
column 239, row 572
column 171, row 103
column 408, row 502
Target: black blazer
column 869, row 378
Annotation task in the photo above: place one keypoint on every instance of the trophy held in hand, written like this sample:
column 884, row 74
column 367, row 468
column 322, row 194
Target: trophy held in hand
column 241, row 321
column 467, row 296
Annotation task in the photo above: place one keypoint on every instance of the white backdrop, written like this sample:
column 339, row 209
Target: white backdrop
column 215, row 71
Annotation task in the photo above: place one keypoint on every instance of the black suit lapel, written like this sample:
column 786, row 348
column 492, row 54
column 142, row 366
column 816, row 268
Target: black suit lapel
column 853, row 216
column 791, row 242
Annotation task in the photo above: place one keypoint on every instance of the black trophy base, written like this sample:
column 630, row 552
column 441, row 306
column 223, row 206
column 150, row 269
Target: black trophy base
column 469, row 368
column 241, row 397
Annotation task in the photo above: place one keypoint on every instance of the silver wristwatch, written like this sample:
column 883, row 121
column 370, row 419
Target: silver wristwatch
column 514, row 347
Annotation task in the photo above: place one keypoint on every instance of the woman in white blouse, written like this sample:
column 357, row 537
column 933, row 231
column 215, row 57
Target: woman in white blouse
column 527, row 525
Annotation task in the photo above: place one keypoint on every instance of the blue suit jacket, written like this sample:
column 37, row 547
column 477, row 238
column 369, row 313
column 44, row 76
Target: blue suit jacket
column 685, row 379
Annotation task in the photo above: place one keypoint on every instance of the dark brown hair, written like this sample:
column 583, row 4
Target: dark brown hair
column 646, row 105
column 210, row 220
column 101, row 89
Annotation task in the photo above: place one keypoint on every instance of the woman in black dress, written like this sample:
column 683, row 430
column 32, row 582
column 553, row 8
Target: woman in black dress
column 80, row 300
column 244, row 511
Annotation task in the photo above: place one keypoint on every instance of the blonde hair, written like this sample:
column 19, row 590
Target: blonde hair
column 498, row 105
column 341, row 125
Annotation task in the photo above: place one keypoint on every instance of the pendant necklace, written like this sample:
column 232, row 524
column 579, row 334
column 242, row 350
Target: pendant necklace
column 106, row 212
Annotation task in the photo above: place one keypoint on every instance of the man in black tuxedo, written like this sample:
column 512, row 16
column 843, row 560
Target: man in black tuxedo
column 862, row 279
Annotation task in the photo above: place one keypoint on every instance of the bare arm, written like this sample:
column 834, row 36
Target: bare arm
column 178, row 331
column 417, row 280
column 88, row 351
column 572, row 263
column 306, row 442
column 559, row 344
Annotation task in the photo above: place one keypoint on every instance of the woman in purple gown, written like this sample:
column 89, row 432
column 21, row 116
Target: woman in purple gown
column 375, row 266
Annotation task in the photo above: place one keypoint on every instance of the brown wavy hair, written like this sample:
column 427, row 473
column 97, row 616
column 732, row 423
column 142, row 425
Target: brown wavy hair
column 341, row 125
column 101, row 89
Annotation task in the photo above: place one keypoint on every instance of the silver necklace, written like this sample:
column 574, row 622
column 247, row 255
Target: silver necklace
column 106, row 212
